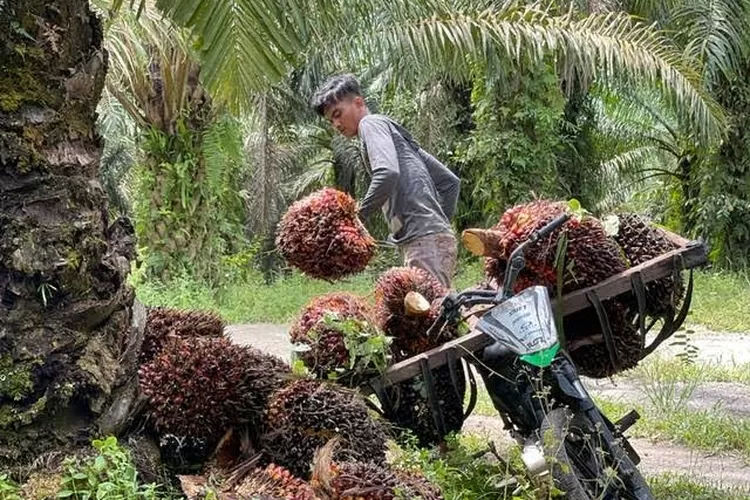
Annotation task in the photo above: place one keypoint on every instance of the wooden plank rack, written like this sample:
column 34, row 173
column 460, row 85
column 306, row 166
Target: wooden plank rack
column 687, row 256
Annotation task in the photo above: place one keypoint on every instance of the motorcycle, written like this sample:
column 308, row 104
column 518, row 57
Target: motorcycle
column 535, row 388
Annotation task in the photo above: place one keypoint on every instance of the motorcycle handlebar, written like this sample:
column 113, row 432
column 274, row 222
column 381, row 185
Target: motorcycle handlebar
column 547, row 230
column 476, row 297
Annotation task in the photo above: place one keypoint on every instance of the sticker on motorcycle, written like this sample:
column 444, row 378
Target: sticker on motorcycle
column 524, row 323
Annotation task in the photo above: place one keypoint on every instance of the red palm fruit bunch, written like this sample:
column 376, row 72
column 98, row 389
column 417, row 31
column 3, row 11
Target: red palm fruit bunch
column 272, row 481
column 336, row 480
column 338, row 339
column 163, row 322
column 409, row 332
column 306, row 414
column 641, row 242
column 198, row 387
column 587, row 347
column 591, row 254
column 322, row 236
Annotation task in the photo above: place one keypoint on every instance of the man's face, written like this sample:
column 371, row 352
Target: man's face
column 346, row 114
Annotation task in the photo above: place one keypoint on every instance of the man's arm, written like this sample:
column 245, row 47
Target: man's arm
column 446, row 182
column 384, row 164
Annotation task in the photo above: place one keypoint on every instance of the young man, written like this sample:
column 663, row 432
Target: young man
column 417, row 193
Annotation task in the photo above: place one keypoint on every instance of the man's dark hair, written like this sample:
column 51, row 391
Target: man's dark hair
column 333, row 90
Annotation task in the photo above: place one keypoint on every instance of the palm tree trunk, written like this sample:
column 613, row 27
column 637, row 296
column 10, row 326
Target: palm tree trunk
column 67, row 341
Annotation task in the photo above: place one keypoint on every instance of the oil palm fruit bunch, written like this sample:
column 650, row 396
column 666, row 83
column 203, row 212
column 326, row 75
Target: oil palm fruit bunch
column 198, row 387
column 161, row 322
column 409, row 331
column 641, row 242
column 336, row 480
column 410, row 408
column 322, row 236
column 305, row 414
column 592, row 358
column 274, row 482
column 591, row 254
column 336, row 338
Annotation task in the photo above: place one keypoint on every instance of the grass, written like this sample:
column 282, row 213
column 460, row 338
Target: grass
column 666, row 370
column 711, row 430
column 680, row 487
column 255, row 302
column 721, row 301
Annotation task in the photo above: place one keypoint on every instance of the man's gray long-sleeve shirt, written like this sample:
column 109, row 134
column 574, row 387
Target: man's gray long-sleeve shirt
column 417, row 193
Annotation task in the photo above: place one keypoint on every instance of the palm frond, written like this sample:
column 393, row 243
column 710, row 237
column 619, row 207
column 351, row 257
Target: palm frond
column 715, row 33
column 152, row 71
column 250, row 45
column 611, row 47
column 312, row 178
column 625, row 173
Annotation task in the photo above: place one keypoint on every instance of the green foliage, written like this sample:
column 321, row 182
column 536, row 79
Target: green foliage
column 110, row 474
column 368, row 347
column 510, row 156
column 250, row 300
column 8, row 489
column 678, row 487
column 721, row 301
column 15, row 379
column 723, row 213
column 188, row 211
column 712, row 430
column 468, row 471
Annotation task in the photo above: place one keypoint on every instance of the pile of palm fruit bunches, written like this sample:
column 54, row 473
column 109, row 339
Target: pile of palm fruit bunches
column 236, row 423
column 242, row 424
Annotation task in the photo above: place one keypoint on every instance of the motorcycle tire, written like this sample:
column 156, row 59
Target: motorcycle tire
column 564, row 471
column 578, row 480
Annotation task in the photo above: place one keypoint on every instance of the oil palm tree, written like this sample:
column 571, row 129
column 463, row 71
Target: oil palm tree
column 186, row 208
column 67, row 347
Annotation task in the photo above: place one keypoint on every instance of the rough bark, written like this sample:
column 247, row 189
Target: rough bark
column 68, row 348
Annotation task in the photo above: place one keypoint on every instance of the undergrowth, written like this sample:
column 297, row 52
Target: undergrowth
column 252, row 301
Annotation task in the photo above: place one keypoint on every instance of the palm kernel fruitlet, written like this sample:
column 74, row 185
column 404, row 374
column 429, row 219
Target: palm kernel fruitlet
column 323, row 237
column 273, row 481
column 306, row 414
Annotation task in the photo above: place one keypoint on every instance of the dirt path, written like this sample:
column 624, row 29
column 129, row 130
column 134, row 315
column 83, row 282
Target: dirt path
column 656, row 458
column 724, row 348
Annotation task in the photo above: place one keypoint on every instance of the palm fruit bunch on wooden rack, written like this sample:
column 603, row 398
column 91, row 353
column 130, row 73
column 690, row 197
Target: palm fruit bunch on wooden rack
column 322, row 236
column 335, row 480
column 407, row 302
column 305, row 414
column 336, row 336
column 641, row 241
column 197, row 387
column 591, row 255
column 410, row 408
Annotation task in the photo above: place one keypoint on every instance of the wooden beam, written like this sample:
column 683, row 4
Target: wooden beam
column 693, row 254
